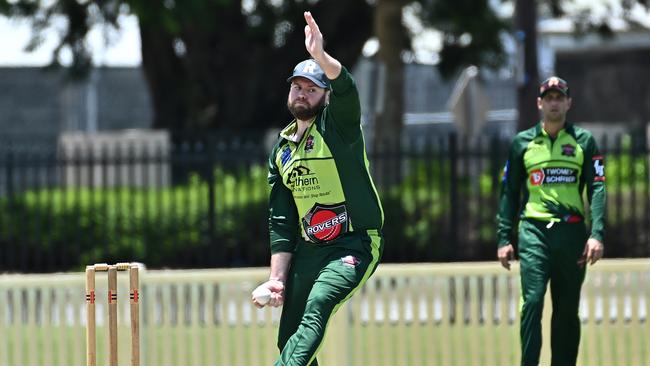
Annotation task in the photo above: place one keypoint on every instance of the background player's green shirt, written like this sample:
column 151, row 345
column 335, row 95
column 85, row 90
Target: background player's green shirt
column 553, row 175
column 321, row 186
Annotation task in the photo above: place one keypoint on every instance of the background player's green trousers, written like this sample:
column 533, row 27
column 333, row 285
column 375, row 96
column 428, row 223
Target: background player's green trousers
column 551, row 254
column 321, row 279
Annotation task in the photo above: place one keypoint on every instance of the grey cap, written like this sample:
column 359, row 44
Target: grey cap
column 311, row 70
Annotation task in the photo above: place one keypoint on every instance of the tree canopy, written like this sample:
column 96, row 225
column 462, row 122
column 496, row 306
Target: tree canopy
column 209, row 63
column 216, row 63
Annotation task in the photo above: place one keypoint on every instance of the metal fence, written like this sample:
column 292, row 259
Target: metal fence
column 414, row 314
column 201, row 201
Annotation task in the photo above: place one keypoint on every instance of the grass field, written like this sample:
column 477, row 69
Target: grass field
column 449, row 315
column 385, row 344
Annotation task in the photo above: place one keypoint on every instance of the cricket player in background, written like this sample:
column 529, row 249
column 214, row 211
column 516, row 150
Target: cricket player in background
column 550, row 165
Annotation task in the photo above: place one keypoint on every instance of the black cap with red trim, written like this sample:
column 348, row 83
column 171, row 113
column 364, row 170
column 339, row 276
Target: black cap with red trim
column 554, row 83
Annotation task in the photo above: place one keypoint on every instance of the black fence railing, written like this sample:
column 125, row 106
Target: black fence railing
column 202, row 202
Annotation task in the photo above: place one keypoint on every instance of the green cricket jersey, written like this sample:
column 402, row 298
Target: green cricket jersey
column 553, row 174
column 321, row 186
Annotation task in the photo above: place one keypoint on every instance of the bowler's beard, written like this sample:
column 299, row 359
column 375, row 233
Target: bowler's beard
column 304, row 112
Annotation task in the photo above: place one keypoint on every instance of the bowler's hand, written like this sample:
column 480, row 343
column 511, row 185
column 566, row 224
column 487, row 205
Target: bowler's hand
column 313, row 38
column 505, row 255
column 277, row 294
column 592, row 253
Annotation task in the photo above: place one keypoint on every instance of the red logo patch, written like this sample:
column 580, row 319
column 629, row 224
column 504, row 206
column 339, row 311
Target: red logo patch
column 536, row 177
column 324, row 223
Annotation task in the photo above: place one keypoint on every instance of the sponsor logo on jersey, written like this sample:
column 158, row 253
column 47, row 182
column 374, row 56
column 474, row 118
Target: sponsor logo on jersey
column 568, row 150
column 536, row 177
column 599, row 168
column 553, row 175
column 309, row 144
column 301, row 176
column 325, row 223
column 350, row 261
column 286, row 155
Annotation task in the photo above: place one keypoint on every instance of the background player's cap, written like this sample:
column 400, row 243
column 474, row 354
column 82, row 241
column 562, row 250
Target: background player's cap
column 311, row 70
column 554, row 83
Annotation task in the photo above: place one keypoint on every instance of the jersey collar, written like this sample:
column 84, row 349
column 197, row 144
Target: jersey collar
column 539, row 129
column 289, row 132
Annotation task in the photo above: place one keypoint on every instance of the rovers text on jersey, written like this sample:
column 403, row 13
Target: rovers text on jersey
column 321, row 186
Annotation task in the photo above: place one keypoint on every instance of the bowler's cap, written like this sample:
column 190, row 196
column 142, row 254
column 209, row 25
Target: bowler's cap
column 554, row 83
column 311, row 70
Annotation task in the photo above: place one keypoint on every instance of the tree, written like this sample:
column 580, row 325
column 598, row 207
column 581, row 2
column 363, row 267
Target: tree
column 231, row 58
column 210, row 63
column 526, row 38
column 471, row 32
column 526, row 20
column 215, row 63
column 393, row 40
column 470, row 37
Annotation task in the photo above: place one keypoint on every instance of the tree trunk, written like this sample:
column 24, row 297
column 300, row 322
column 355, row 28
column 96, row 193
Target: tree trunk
column 389, row 122
column 231, row 75
column 526, row 36
column 164, row 73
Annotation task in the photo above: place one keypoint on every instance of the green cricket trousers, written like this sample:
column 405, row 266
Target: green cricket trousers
column 321, row 279
column 551, row 252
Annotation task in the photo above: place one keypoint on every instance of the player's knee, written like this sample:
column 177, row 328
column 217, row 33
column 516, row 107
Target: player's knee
column 534, row 300
column 320, row 303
